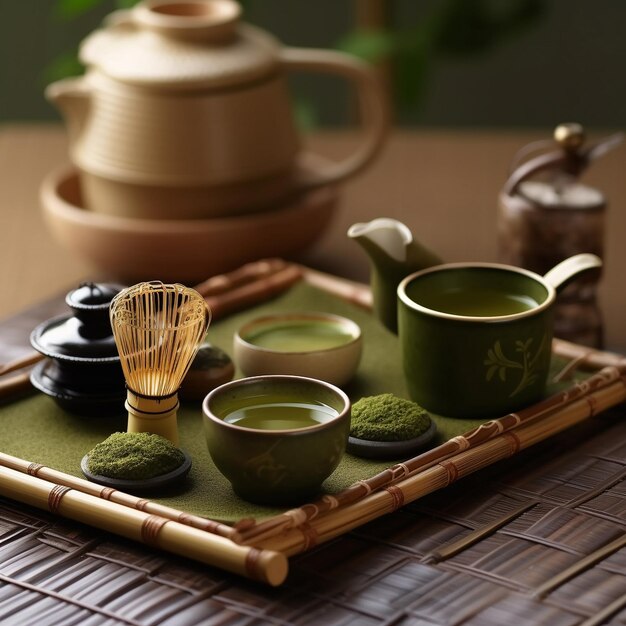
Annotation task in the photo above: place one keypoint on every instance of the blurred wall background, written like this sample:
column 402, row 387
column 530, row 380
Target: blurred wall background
column 481, row 63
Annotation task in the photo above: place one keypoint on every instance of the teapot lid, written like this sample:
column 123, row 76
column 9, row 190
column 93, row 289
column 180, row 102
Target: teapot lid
column 562, row 167
column 85, row 335
column 92, row 296
column 180, row 44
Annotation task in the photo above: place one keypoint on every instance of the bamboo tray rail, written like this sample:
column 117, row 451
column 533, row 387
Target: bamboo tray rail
column 259, row 550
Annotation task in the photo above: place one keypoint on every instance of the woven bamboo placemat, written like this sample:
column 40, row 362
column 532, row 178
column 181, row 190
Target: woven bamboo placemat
column 536, row 540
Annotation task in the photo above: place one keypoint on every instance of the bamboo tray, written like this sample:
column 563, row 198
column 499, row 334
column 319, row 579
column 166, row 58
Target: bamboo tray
column 260, row 549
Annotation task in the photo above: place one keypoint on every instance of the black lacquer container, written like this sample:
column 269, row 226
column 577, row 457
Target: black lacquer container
column 82, row 371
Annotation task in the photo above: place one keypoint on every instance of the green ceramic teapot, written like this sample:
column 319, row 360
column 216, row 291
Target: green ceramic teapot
column 483, row 330
column 394, row 254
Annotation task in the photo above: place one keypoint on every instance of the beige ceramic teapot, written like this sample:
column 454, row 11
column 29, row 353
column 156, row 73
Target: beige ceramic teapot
column 184, row 113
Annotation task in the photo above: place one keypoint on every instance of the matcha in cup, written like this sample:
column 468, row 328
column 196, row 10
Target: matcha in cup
column 311, row 344
column 476, row 337
column 276, row 438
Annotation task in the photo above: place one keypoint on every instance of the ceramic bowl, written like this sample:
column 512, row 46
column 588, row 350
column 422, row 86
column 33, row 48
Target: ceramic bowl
column 188, row 251
column 282, row 466
column 300, row 344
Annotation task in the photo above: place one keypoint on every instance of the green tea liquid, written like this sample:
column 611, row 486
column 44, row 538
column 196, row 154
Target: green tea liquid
column 300, row 336
column 478, row 302
column 281, row 415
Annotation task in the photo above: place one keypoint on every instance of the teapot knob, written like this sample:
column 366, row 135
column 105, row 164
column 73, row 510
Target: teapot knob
column 570, row 136
column 90, row 305
column 193, row 20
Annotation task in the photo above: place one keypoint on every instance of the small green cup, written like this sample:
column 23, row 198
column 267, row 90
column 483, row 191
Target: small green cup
column 476, row 337
column 277, row 460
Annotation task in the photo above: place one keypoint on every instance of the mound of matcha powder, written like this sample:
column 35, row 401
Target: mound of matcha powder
column 387, row 418
column 134, row 456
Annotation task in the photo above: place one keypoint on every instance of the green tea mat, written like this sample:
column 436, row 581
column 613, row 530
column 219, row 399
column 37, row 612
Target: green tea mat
column 37, row 430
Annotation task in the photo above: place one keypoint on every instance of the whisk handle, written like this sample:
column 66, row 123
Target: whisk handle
column 153, row 415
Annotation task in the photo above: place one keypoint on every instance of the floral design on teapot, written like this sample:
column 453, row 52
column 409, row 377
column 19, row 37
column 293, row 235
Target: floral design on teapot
column 497, row 361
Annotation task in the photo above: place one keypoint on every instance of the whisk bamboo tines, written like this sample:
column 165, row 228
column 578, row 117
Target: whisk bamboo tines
column 158, row 329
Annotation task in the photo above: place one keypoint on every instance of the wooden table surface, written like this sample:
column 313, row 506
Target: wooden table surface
column 442, row 184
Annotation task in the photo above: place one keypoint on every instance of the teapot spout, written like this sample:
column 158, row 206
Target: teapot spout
column 72, row 96
column 393, row 253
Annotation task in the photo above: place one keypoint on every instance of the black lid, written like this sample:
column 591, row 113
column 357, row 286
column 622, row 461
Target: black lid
column 86, row 335
column 92, row 296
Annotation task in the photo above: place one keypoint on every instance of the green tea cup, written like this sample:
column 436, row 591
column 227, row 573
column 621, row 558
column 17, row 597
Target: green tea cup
column 476, row 337
column 311, row 344
column 276, row 438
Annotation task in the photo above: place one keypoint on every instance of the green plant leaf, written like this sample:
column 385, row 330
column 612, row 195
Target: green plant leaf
column 413, row 62
column 475, row 26
column 63, row 66
column 69, row 9
column 368, row 45
column 305, row 114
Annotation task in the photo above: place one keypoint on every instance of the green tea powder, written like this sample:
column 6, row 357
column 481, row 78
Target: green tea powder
column 388, row 418
column 134, row 456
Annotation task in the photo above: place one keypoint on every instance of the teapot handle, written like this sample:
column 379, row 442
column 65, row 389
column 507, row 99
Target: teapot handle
column 372, row 105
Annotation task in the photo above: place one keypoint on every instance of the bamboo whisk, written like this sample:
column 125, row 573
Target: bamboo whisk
column 157, row 329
